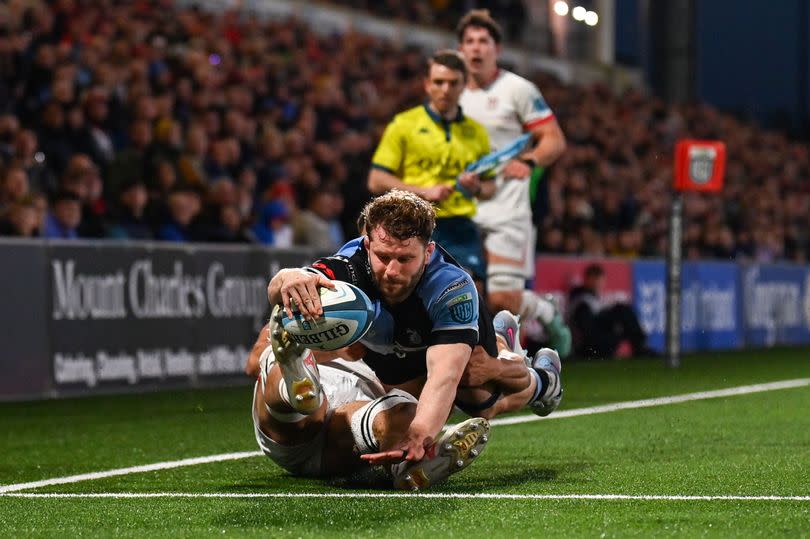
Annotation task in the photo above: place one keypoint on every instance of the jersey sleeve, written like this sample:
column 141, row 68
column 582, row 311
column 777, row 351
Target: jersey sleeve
column 454, row 314
column 391, row 150
column 531, row 107
column 338, row 267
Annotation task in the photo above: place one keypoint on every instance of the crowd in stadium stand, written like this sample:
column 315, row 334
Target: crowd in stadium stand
column 445, row 13
column 149, row 122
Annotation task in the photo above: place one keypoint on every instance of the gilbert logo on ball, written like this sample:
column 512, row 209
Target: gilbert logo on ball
column 699, row 165
column 347, row 315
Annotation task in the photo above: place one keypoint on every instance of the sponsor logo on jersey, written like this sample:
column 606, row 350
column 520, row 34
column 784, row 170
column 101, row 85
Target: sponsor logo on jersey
column 461, row 308
column 455, row 286
column 423, row 131
column 492, row 102
column 448, row 167
column 539, row 104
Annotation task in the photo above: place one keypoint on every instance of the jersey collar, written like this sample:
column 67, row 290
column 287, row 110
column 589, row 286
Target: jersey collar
column 438, row 119
column 488, row 84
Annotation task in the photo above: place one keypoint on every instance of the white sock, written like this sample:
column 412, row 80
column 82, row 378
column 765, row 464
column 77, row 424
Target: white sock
column 535, row 307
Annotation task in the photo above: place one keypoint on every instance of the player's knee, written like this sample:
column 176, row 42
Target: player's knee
column 368, row 432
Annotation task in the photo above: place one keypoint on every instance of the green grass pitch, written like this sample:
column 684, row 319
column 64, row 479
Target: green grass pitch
column 749, row 445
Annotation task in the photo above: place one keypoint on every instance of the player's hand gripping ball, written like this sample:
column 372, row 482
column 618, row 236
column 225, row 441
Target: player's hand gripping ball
column 347, row 316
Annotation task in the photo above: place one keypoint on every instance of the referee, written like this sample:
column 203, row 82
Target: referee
column 426, row 149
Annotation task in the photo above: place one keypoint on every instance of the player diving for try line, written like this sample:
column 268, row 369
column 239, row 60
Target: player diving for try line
column 424, row 352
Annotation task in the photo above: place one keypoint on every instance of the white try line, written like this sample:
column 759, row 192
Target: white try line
column 126, row 471
column 429, row 495
column 591, row 410
column 659, row 401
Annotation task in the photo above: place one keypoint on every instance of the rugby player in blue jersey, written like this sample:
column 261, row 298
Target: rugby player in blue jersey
column 432, row 338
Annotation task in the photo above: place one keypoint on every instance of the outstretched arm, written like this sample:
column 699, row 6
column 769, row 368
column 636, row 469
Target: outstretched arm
column 445, row 365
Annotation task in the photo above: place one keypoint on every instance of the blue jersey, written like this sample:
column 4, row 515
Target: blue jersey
column 444, row 308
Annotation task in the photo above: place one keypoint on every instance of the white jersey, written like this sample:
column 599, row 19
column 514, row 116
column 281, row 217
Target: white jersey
column 507, row 108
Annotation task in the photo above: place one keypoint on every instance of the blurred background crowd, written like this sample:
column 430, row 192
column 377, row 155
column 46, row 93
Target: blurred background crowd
column 148, row 121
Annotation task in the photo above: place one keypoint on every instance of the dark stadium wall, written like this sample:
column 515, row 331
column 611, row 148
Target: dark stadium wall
column 751, row 57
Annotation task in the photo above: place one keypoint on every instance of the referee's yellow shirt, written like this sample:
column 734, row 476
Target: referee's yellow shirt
column 423, row 149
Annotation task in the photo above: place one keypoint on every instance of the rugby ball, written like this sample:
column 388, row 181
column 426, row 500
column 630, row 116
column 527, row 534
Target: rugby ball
column 347, row 315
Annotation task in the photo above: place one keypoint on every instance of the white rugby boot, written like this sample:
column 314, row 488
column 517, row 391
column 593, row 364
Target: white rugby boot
column 507, row 325
column 546, row 363
column 455, row 449
column 298, row 367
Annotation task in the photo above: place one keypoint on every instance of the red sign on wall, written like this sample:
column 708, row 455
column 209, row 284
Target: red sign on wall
column 700, row 165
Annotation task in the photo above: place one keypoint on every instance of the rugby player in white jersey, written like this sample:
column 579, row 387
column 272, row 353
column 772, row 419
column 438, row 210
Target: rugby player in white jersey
column 508, row 106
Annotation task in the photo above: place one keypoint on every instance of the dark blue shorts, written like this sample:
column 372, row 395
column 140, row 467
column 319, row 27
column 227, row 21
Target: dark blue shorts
column 460, row 237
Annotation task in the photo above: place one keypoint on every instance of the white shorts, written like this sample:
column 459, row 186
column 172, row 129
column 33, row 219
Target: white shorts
column 343, row 382
column 513, row 243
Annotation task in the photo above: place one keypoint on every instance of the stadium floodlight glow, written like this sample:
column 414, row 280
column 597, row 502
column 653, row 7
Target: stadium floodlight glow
column 578, row 13
column 591, row 18
column 561, row 8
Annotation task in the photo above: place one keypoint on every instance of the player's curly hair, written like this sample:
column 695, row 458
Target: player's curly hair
column 479, row 18
column 401, row 214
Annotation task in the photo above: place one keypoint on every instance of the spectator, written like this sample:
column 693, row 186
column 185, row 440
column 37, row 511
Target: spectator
column 82, row 178
column 317, row 225
column 183, row 207
column 20, row 220
column 65, row 216
column 9, row 126
column 28, row 156
column 129, row 214
column 304, row 110
column 599, row 329
column 133, row 163
column 96, row 110
column 230, row 227
column 53, row 137
column 220, row 194
column 272, row 226
column 191, row 165
column 14, row 186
